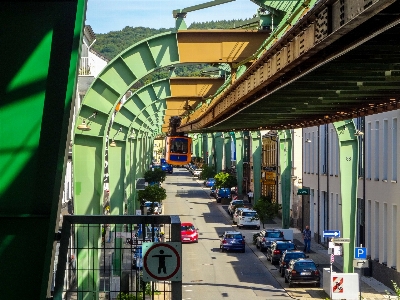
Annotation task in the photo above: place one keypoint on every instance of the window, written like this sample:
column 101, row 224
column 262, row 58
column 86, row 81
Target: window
column 376, row 154
column 385, row 153
column 369, row 150
column 394, row 149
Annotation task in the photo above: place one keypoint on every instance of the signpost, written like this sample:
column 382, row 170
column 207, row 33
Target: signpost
column 360, row 253
column 341, row 240
column 331, row 233
column 162, row 261
column 360, row 261
column 303, row 192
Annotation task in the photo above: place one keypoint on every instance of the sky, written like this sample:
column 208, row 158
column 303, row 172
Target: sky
column 114, row 15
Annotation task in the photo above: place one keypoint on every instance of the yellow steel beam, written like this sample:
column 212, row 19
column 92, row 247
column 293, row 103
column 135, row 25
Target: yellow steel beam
column 223, row 46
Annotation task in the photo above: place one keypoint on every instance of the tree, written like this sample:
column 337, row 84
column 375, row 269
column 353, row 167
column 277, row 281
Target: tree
column 266, row 209
column 152, row 193
column 155, row 175
column 225, row 180
column 207, row 172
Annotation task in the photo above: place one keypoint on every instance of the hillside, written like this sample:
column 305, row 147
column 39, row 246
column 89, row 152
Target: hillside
column 111, row 44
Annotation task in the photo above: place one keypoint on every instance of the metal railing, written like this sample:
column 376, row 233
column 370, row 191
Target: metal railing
column 100, row 257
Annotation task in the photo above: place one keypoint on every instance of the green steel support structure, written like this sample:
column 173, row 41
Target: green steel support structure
column 228, row 150
column 285, row 161
column 239, row 160
column 218, row 150
column 210, row 150
column 256, row 153
column 348, row 158
column 41, row 46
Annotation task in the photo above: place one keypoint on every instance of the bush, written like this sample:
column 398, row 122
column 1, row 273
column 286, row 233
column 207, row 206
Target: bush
column 153, row 193
column 157, row 175
column 266, row 209
column 225, row 180
column 207, row 172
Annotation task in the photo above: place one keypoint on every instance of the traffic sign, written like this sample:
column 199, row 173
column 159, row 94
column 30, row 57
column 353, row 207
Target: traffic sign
column 162, row 261
column 341, row 240
column 331, row 233
column 360, row 253
column 303, row 192
column 360, row 263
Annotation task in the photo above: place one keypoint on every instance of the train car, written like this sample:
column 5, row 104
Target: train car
column 178, row 150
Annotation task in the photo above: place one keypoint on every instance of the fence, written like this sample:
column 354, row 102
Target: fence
column 100, row 257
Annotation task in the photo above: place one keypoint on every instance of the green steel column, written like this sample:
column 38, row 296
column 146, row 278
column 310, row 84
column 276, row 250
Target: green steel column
column 239, row 160
column 116, row 168
column 205, row 147
column 218, row 150
column 228, row 150
column 130, row 177
column 285, row 161
column 348, row 155
column 210, row 150
column 200, row 145
column 256, row 149
column 41, row 44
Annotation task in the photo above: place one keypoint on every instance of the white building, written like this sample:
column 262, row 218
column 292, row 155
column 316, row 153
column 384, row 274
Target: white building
column 378, row 190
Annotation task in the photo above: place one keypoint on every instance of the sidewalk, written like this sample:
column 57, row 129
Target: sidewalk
column 371, row 288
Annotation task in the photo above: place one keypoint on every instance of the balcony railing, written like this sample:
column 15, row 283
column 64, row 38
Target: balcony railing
column 99, row 257
column 84, row 67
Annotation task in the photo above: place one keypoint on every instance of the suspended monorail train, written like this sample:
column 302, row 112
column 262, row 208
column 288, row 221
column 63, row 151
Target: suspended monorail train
column 178, row 150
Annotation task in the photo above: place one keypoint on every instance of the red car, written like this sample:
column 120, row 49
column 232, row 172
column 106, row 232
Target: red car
column 189, row 233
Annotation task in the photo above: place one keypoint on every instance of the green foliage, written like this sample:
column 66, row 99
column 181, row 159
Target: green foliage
column 158, row 175
column 396, row 289
column 207, row 172
column 153, row 193
column 225, row 180
column 148, row 290
column 123, row 296
column 266, row 209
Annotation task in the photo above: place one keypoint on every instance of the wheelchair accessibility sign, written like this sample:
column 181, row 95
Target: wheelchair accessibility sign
column 162, row 261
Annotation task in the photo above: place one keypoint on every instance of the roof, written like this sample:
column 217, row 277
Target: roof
column 232, row 232
column 186, row 223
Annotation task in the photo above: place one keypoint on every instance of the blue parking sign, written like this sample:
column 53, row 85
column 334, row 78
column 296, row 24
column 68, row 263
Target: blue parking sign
column 360, row 253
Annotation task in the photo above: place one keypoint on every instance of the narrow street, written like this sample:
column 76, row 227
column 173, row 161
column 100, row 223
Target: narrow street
column 207, row 272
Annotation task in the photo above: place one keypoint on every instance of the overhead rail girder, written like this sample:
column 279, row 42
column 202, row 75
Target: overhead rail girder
column 317, row 48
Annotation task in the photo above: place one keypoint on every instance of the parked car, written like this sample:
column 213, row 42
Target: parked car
column 157, row 208
column 277, row 248
column 137, row 258
column 189, row 233
column 248, row 217
column 232, row 240
column 287, row 256
column 267, row 236
column 209, row 182
column 223, row 193
column 167, row 168
column 235, row 215
column 213, row 192
column 197, row 172
column 302, row 270
column 233, row 205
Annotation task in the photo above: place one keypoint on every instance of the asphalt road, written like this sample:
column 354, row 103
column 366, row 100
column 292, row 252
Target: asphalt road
column 207, row 272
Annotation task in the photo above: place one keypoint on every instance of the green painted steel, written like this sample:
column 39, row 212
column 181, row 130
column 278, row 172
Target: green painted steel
column 218, row 150
column 348, row 157
column 285, row 160
column 227, row 150
column 205, row 147
column 239, row 160
column 256, row 153
column 210, row 150
column 41, row 48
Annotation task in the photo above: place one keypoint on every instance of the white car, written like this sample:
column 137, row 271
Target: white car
column 233, row 204
column 248, row 217
column 157, row 208
column 196, row 173
column 235, row 216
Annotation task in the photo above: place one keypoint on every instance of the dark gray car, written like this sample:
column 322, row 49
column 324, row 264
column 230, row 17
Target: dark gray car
column 267, row 236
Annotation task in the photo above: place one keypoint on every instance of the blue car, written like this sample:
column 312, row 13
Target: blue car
column 209, row 182
column 233, row 241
